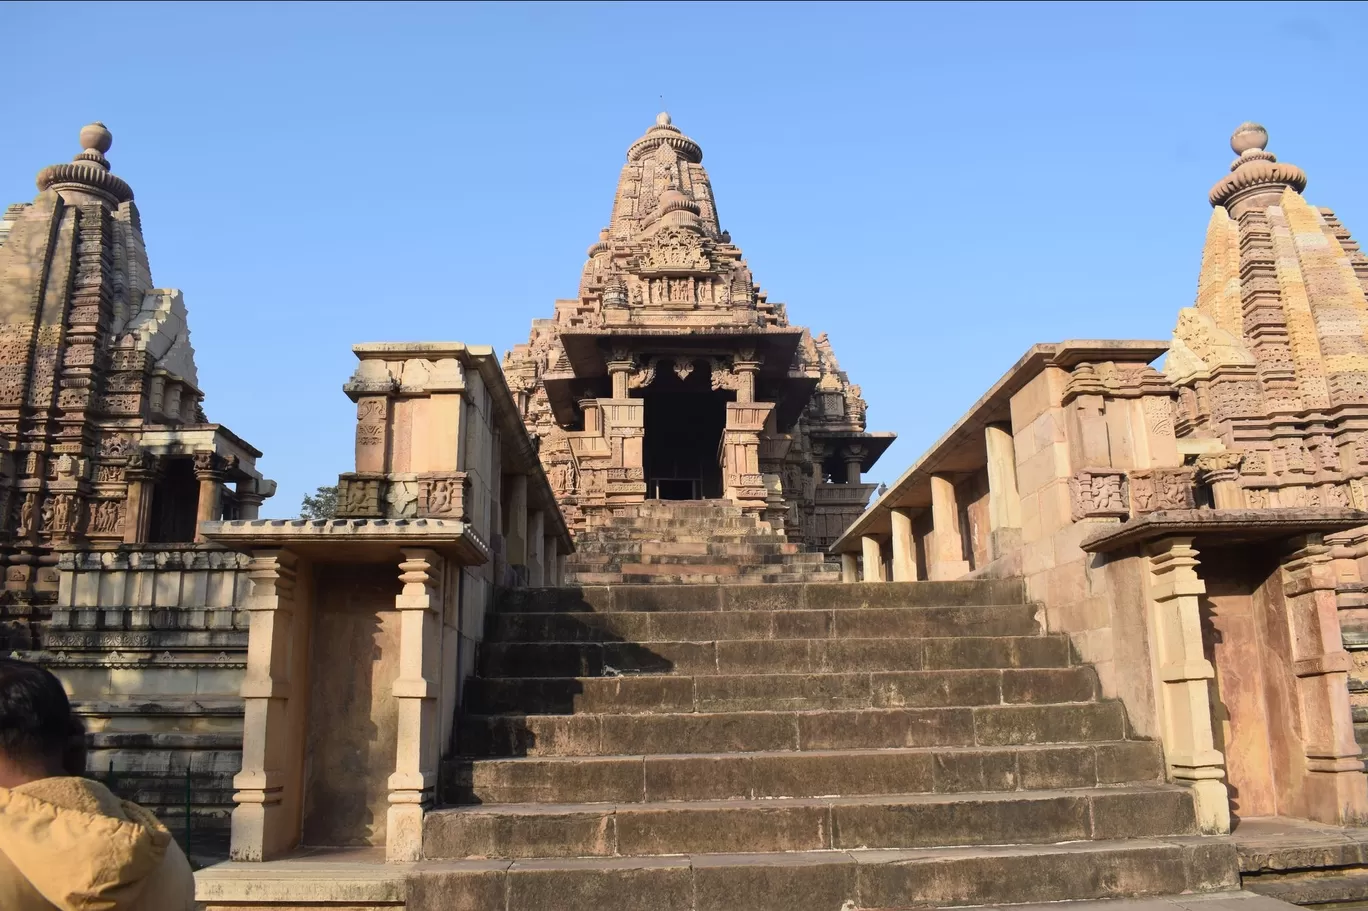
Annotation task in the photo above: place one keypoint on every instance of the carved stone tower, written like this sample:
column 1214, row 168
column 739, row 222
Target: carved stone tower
column 1273, row 359
column 671, row 376
column 102, row 438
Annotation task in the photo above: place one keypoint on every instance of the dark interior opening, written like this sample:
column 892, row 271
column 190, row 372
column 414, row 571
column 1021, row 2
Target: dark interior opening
column 683, row 437
column 175, row 504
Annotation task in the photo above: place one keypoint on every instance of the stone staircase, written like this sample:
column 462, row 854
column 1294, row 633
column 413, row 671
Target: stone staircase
column 691, row 542
column 822, row 747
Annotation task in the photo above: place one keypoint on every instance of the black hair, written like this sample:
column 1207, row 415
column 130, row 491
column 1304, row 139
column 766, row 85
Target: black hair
column 36, row 723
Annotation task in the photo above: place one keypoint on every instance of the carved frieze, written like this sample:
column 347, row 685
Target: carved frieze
column 358, row 497
column 1162, row 488
column 1096, row 493
column 443, row 495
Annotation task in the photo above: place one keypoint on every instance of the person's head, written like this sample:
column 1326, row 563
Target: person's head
column 39, row 735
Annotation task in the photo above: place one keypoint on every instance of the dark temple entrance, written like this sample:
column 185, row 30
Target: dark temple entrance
column 683, row 437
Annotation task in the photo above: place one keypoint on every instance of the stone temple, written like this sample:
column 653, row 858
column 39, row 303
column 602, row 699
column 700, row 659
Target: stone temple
column 615, row 623
column 671, row 376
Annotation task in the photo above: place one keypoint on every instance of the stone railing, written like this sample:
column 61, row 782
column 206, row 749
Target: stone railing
column 1205, row 617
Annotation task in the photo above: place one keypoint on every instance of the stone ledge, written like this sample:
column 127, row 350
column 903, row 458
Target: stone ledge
column 1233, row 526
column 336, row 537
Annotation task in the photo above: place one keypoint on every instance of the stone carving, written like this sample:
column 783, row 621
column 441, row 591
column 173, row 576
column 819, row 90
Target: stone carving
column 443, row 496
column 106, row 516
column 1099, row 493
column 358, row 497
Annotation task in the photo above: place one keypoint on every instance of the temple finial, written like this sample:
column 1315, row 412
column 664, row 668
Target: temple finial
column 96, row 136
column 88, row 173
column 663, row 119
column 1256, row 174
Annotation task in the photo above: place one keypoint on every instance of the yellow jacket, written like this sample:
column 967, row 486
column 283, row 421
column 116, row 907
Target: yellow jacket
column 71, row 845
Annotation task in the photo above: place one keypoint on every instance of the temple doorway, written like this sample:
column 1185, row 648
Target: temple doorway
column 683, row 438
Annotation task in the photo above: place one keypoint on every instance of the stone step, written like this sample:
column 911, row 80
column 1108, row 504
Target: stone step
column 863, row 880
column 770, row 656
column 819, row 773
column 656, row 546
column 801, row 596
column 721, row 732
column 807, row 824
column 641, row 626
column 699, row 559
column 639, row 694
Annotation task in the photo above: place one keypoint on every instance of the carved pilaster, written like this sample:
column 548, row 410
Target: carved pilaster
column 1174, row 591
column 412, row 785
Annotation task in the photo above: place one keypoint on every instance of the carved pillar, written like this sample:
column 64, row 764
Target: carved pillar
column 746, row 365
column 1004, row 500
column 620, row 367
column 593, row 418
column 904, row 550
column 1221, row 472
column 372, row 433
column 948, row 561
column 413, row 784
column 266, row 821
column 854, row 455
column 209, row 471
column 1335, row 788
column 872, row 553
column 1184, row 674
column 141, row 475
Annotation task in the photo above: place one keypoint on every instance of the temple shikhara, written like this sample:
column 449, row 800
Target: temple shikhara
column 616, row 621
column 671, row 376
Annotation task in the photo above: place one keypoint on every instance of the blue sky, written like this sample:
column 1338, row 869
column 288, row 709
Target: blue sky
column 936, row 186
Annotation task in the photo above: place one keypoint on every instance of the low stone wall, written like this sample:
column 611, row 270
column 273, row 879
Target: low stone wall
column 151, row 643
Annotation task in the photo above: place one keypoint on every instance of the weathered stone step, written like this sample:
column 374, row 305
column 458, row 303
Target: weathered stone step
column 859, row 880
column 722, row 732
column 703, row 559
column 807, row 824
column 800, row 596
column 656, row 546
column 746, row 577
column 638, row 694
column 980, row 620
column 769, row 656
column 819, row 773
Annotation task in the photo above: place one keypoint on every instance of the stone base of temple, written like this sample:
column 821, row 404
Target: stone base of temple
column 692, row 541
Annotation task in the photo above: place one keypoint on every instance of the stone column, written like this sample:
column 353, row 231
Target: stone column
column 854, row 458
column 209, row 471
column 621, row 363
column 413, row 784
column 1184, row 680
column 515, row 535
column 266, row 821
column 593, row 420
column 536, row 565
column 850, row 568
column 249, row 499
column 746, row 365
column 1335, row 789
column 948, row 560
column 1221, row 472
column 1004, row 500
column 372, row 433
column 141, row 474
column 550, row 561
column 904, row 548
column 872, row 552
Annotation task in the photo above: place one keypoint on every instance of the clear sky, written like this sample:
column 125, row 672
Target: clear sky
column 936, row 186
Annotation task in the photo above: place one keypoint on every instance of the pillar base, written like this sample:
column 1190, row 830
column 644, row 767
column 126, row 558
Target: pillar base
column 1337, row 798
column 404, row 833
column 1211, row 801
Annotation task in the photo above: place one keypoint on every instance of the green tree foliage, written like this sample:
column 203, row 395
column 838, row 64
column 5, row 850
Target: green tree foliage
column 322, row 504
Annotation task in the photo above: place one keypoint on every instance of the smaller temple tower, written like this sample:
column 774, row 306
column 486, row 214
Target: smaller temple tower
column 671, row 376
column 102, row 438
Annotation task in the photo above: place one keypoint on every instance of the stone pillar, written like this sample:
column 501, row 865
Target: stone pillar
column 593, row 418
column 948, row 560
column 621, row 364
column 854, row 459
column 746, row 365
column 1221, row 472
column 850, row 568
column 1335, row 790
column 1184, row 680
column 209, row 471
column 872, row 552
column 266, row 821
column 536, row 553
column 904, row 548
column 249, row 499
column 550, row 561
column 1004, row 500
column 515, row 535
column 413, row 784
column 142, row 476
column 372, row 433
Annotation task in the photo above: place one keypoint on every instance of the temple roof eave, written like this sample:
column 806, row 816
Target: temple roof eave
column 875, row 442
column 775, row 345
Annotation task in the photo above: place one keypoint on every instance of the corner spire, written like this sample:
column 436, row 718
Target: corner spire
column 1257, row 175
column 88, row 173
